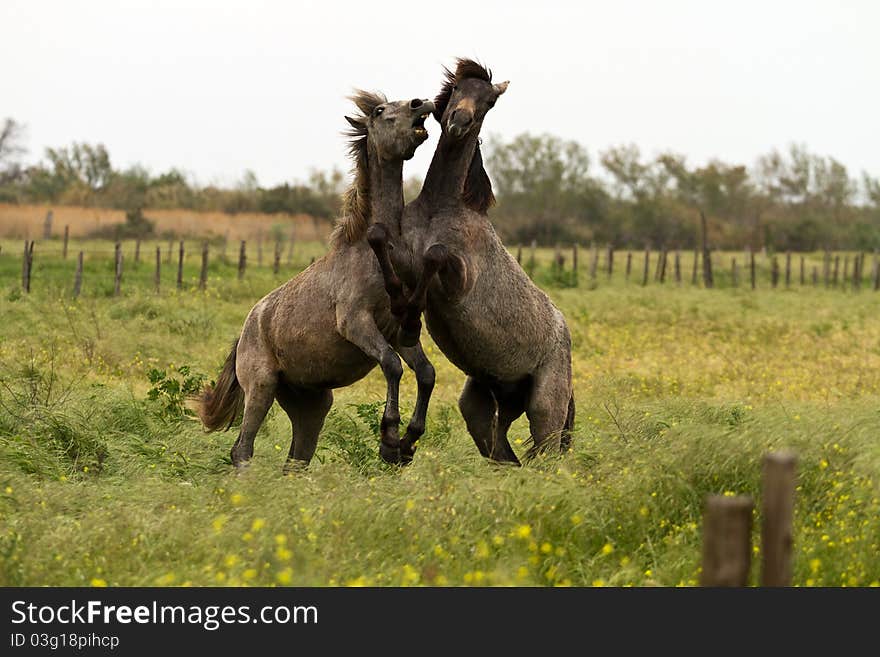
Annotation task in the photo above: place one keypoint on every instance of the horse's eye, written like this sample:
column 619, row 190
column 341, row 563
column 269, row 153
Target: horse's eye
column 378, row 111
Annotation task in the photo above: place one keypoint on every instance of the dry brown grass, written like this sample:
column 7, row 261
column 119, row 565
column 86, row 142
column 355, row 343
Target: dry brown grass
column 20, row 221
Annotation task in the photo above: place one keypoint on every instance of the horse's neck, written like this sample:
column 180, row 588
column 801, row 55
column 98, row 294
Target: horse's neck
column 386, row 191
column 444, row 182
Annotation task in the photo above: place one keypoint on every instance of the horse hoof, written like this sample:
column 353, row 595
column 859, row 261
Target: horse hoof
column 389, row 454
column 407, row 452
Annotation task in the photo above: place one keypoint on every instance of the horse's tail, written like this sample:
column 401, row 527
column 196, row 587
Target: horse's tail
column 221, row 403
column 565, row 442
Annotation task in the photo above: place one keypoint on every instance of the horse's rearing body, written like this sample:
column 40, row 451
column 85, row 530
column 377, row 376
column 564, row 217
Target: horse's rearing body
column 332, row 324
column 482, row 310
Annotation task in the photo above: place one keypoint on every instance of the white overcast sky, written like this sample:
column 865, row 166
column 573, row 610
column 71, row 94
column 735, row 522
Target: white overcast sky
column 220, row 86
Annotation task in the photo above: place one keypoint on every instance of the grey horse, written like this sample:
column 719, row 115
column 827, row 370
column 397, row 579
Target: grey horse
column 482, row 310
column 330, row 325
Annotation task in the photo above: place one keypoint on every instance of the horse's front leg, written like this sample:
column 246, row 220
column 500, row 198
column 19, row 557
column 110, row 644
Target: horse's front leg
column 424, row 371
column 435, row 258
column 360, row 328
column 378, row 239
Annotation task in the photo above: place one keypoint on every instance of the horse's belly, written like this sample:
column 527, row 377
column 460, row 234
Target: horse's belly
column 477, row 352
column 322, row 361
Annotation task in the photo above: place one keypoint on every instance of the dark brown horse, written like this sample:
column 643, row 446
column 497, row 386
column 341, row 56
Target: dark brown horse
column 332, row 324
column 482, row 310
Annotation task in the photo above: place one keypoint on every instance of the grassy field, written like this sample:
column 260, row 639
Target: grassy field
column 105, row 480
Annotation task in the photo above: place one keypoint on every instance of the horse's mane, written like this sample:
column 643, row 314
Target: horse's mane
column 478, row 195
column 355, row 211
column 464, row 69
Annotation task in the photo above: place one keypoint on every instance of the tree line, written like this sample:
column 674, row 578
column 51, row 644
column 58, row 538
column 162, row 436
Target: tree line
column 82, row 174
column 548, row 189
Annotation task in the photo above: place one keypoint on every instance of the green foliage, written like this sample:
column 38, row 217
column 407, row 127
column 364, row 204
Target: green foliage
column 169, row 392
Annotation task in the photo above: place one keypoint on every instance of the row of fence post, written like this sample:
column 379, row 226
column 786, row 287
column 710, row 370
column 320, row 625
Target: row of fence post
column 276, row 265
column 28, row 259
column 727, row 529
column 831, row 274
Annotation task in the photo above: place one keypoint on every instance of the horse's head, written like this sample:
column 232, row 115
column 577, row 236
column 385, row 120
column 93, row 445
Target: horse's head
column 466, row 97
column 394, row 129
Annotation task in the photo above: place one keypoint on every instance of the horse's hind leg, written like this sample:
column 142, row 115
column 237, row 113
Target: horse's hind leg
column 424, row 371
column 511, row 404
column 307, row 410
column 259, row 393
column 548, row 406
column 481, row 412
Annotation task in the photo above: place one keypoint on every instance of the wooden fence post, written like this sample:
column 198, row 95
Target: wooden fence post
column 663, row 256
column 242, row 259
column 857, row 272
column 708, row 281
column 27, row 266
column 734, row 273
column 752, row 268
column 594, row 262
column 276, row 263
column 788, row 269
column 815, row 276
column 574, row 261
column 836, row 270
column 629, row 262
column 696, row 264
column 677, row 267
column 610, row 261
column 78, row 276
column 180, row 255
column 158, row 278
column 777, row 490
column 47, row 226
column 845, row 271
column 826, row 268
column 557, row 259
column 876, row 273
column 203, row 274
column 117, row 278
column 519, row 254
column 66, row 239
column 647, row 266
column 803, row 272
column 727, row 541
column 774, row 271
column 137, row 251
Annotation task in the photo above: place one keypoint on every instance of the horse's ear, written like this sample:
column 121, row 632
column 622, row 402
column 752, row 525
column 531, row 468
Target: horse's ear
column 357, row 124
column 478, row 195
column 501, row 87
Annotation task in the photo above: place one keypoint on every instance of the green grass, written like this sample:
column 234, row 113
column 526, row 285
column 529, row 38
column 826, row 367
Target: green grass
column 680, row 392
